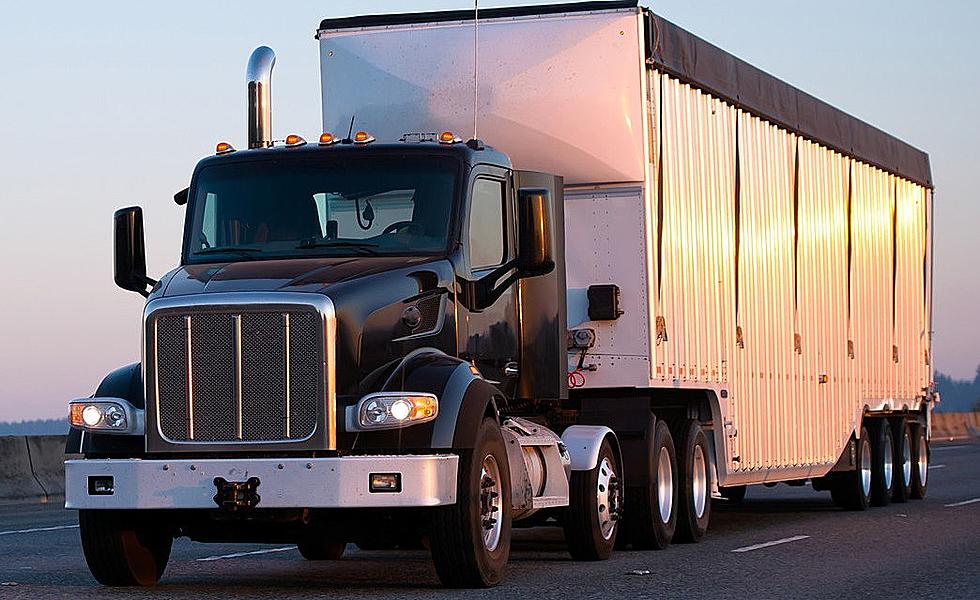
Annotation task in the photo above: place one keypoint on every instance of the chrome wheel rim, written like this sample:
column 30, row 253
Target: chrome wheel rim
column 888, row 461
column 491, row 491
column 699, row 482
column 607, row 499
column 665, row 486
column 923, row 460
column 866, row 467
column 906, row 459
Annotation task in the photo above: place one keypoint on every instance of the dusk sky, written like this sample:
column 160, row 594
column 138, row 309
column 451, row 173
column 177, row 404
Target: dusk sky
column 108, row 104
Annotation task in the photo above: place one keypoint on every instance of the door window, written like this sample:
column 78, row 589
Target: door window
column 486, row 226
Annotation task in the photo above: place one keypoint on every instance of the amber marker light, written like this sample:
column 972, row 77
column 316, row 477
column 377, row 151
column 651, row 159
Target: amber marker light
column 363, row 137
column 448, row 137
column 223, row 148
column 293, row 140
column 328, row 139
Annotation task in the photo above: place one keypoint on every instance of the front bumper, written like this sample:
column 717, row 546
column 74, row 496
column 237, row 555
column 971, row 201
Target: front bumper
column 341, row 482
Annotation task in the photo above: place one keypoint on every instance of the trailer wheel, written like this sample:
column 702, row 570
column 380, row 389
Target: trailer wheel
column 902, row 434
column 595, row 502
column 321, row 549
column 851, row 490
column 882, row 463
column 734, row 494
column 694, row 479
column 920, row 462
column 651, row 515
column 471, row 539
column 124, row 548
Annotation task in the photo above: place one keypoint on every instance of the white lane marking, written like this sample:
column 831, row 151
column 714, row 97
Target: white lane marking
column 964, row 503
column 795, row 538
column 937, row 466
column 37, row 529
column 241, row 554
column 934, row 448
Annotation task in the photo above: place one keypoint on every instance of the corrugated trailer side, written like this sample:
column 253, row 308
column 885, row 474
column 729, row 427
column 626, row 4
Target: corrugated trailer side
column 791, row 270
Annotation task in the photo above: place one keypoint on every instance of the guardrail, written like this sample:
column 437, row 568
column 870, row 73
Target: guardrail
column 32, row 467
column 955, row 425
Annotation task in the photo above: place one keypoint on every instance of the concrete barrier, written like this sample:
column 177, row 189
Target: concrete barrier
column 32, row 468
column 955, row 425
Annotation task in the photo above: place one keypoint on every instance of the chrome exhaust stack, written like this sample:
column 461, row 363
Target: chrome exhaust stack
column 259, row 77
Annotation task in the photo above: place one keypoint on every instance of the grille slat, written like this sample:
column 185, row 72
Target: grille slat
column 267, row 366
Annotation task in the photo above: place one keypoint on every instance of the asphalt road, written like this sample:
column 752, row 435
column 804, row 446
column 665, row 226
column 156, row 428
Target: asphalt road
column 927, row 548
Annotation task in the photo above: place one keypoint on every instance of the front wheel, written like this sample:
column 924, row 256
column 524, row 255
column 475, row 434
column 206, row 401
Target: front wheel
column 595, row 501
column 124, row 548
column 470, row 539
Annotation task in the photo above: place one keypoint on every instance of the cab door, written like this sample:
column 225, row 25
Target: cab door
column 488, row 317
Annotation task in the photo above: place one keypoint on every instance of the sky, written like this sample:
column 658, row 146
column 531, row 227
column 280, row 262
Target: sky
column 109, row 104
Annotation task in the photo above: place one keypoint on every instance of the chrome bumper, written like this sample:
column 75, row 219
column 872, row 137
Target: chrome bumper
column 284, row 483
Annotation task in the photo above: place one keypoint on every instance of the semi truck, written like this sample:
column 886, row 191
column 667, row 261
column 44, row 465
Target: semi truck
column 651, row 275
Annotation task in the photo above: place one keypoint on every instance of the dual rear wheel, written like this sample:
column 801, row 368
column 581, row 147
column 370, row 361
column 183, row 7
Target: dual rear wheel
column 892, row 457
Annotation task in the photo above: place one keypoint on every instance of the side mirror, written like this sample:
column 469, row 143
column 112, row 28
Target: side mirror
column 130, row 251
column 535, row 232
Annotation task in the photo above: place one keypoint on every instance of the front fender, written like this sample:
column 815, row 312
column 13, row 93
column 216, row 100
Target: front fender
column 464, row 399
column 126, row 383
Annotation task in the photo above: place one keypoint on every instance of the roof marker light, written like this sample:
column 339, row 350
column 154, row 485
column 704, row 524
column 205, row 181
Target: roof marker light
column 363, row 137
column 328, row 139
column 448, row 137
column 224, row 148
column 293, row 140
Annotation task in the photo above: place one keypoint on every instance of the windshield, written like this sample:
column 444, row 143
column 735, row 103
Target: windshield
column 318, row 206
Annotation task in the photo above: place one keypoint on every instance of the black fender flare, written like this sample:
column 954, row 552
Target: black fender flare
column 465, row 398
column 126, row 383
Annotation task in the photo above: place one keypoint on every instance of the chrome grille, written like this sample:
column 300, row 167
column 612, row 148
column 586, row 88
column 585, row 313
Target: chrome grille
column 238, row 375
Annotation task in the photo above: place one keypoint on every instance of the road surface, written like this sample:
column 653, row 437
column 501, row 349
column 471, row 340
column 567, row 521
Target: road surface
column 782, row 542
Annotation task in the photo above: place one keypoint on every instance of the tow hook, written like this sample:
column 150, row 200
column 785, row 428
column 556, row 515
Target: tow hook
column 236, row 495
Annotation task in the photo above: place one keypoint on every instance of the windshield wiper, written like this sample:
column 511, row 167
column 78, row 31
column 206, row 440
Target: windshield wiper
column 366, row 247
column 240, row 250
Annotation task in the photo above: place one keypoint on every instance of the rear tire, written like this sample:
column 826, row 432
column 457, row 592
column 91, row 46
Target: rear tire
column 471, row 539
column 124, row 548
column 595, row 501
column 321, row 549
column 694, row 483
column 851, row 490
column 920, row 463
column 882, row 463
column 734, row 494
column 902, row 434
column 651, row 515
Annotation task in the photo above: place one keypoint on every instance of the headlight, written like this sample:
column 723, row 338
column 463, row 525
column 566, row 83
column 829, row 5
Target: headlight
column 106, row 416
column 390, row 410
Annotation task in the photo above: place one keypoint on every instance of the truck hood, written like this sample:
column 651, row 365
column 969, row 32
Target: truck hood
column 293, row 275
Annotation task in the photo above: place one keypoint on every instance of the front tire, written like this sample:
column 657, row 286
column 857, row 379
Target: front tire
column 595, row 501
column 694, row 478
column 124, row 548
column 471, row 539
column 651, row 514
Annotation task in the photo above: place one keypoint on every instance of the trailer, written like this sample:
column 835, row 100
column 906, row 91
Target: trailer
column 652, row 276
